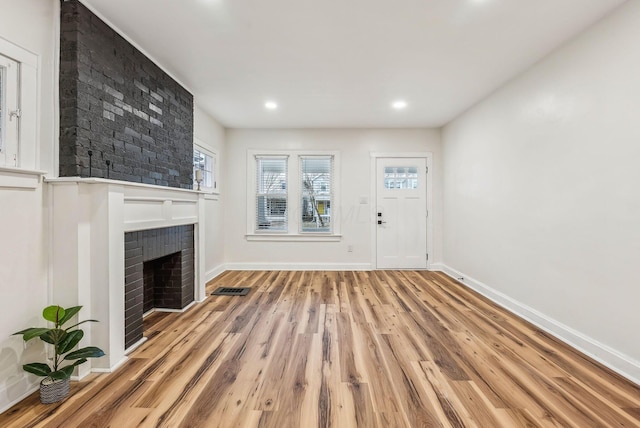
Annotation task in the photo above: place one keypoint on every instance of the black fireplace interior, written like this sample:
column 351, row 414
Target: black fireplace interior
column 159, row 274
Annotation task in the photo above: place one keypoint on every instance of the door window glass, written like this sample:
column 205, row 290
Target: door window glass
column 400, row 177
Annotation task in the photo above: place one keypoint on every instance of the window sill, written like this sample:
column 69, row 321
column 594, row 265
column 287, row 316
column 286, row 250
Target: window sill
column 273, row 237
column 18, row 178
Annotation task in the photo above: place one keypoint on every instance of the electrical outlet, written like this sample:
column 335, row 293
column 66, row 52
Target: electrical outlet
column 350, row 248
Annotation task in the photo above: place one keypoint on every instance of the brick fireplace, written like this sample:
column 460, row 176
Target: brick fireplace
column 102, row 233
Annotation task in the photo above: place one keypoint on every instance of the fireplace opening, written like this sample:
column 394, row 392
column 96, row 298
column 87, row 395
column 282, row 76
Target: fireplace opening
column 162, row 279
column 159, row 274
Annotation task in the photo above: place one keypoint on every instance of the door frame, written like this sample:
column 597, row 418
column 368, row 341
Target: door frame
column 374, row 200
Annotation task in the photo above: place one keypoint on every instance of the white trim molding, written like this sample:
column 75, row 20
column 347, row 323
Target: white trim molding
column 620, row 363
column 136, row 345
column 32, row 388
column 19, row 178
column 299, row 266
column 213, row 273
column 304, row 237
column 112, row 368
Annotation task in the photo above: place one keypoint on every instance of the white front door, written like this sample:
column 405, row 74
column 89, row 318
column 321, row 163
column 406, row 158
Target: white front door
column 401, row 215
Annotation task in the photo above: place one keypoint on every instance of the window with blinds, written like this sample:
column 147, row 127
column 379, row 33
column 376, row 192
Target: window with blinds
column 271, row 193
column 316, row 184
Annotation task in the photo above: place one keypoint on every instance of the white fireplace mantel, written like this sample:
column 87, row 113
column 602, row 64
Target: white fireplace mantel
column 89, row 217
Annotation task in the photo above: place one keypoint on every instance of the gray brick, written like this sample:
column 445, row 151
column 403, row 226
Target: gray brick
column 106, row 87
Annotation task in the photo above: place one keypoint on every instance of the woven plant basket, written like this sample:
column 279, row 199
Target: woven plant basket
column 53, row 391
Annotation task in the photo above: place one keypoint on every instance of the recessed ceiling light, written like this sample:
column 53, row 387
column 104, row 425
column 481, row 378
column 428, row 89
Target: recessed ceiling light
column 270, row 105
column 399, row 105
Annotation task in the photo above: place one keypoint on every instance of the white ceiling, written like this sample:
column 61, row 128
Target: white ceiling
column 340, row 63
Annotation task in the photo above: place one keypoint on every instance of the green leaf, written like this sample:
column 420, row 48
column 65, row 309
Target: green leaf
column 53, row 313
column 81, row 322
column 63, row 373
column 30, row 333
column 78, row 362
column 70, row 341
column 88, row 352
column 54, row 336
column 37, row 369
column 69, row 313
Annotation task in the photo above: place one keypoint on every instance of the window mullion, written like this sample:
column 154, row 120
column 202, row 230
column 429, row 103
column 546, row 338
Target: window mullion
column 292, row 196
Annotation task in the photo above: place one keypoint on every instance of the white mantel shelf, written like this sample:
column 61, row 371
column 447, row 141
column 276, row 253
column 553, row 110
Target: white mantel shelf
column 90, row 217
column 96, row 180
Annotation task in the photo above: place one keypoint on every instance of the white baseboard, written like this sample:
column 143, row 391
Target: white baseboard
column 149, row 312
column 135, row 346
column 34, row 387
column 185, row 309
column 299, row 266
column 111, row 369
column 209, row 275
column 436, row 267
column 6, row 406
column 609, row 357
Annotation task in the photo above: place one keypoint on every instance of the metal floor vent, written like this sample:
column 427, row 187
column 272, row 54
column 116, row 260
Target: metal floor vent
column 228, row 291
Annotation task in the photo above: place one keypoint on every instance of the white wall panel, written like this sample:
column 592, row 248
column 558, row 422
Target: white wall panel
column 541, row 190
column 24, row 250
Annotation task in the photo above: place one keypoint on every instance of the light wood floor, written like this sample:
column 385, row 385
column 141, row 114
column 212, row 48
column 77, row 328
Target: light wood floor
column 344, row 349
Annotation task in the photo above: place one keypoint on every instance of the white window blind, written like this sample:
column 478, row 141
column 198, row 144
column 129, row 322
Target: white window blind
column 271, row 193
column 316, row 184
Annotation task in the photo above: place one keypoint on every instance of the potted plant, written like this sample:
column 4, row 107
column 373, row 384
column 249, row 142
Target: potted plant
column 55, row 385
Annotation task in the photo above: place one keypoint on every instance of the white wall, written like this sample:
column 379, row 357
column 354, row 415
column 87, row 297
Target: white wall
column 541, row 192
column 30, row 24
column 212, row 135
column 355, row 147
column 33, row 25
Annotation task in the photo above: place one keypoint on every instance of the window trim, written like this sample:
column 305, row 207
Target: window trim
column 27, row 149
column 215, row 190
column 294, row 195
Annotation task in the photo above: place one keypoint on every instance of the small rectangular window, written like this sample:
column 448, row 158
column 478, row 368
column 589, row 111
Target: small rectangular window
column 3, row 108
column 206, row 164
column 9, row 112
column 271, row 193
column 316, row 175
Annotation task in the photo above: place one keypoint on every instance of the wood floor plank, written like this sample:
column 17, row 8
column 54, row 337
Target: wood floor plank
column 446, row 403
column 344, row 349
